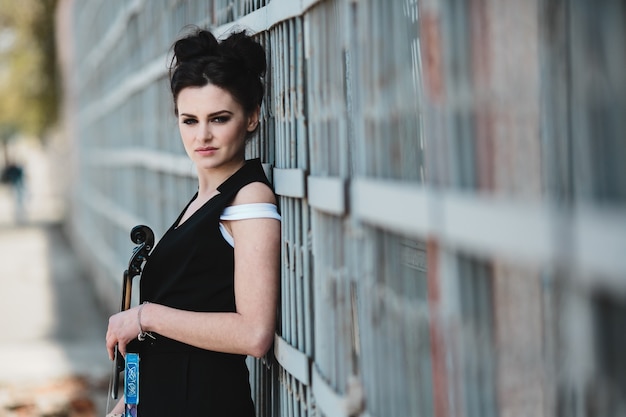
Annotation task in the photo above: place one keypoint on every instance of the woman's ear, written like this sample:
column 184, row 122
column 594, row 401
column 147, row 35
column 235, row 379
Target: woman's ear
column 253, row 119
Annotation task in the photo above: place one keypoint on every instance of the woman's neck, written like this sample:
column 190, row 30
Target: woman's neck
column 210, row 179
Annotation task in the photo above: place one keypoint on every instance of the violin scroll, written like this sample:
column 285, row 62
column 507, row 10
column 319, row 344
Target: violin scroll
column 143, row 236
column 140, row 234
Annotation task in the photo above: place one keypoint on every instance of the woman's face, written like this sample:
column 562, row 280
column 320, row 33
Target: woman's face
column 213, row 127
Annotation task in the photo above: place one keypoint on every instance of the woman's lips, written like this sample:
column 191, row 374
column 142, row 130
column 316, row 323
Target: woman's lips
column 206, row 151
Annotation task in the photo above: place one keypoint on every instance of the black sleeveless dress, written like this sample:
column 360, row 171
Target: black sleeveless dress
column 192, row 268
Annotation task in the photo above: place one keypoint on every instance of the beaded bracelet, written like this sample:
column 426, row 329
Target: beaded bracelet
column 142, row 335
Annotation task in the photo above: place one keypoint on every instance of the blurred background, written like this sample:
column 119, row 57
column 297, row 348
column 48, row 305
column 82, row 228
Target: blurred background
column 450, row 174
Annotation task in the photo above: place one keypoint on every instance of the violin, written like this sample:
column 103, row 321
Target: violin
column 144, row 238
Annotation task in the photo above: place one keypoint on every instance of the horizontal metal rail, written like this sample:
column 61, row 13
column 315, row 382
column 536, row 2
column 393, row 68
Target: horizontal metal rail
column 486, row 225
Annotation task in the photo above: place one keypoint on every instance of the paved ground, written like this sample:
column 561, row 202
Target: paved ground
column 52, row 356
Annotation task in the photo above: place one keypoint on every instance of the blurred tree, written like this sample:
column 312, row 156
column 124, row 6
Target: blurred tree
column 29, row 76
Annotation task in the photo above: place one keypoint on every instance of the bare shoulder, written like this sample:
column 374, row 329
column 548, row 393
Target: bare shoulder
column 255, row 192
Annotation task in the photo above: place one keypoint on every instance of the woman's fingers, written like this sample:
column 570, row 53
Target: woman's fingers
column 110, row 344
column 113, row 337
column 121, row 331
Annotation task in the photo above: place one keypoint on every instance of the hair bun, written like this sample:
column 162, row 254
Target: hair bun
column 240, row 46
column 237, row 47
column 197, row 45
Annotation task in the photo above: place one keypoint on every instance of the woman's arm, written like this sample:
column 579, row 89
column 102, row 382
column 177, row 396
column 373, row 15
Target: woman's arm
column 250, row 330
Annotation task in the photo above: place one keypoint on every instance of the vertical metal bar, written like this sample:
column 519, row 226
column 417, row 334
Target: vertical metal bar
column 292, row 276
column 299, row 274
column 301, row 134
column 307, row 281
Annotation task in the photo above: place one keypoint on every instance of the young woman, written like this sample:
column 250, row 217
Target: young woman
column 209, row 289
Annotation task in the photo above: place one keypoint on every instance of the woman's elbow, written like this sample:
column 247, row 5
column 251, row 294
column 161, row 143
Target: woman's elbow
column 260, row 343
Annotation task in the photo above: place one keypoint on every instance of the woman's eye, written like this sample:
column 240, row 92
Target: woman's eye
column 221, row 119
column 189, row 121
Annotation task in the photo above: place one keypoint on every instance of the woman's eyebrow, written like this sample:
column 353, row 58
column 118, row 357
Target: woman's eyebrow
column 217, row 113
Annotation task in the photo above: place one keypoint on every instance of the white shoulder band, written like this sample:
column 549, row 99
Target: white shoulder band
column 250, row 211
column 247, row 211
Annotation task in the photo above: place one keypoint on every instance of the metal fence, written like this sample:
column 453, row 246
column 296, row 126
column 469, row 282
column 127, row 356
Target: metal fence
column 451, row 180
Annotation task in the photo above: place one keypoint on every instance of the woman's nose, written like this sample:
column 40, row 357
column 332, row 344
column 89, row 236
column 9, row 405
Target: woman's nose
column 205, row 132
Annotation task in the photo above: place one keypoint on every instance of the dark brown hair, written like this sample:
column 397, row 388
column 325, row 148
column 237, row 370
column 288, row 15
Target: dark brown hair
column 235, row 64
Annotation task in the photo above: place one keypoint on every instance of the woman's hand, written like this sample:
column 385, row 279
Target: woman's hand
column 123, row 327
